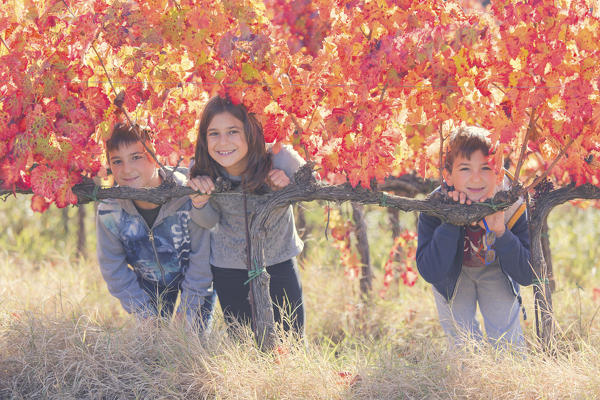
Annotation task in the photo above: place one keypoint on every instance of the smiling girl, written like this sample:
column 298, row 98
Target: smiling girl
column 231, row 145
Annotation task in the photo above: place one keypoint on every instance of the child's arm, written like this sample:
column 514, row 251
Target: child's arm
column 202, row 212
column 120, row 279
column 288, row 160
column 277, row 179
column 285, row 164
column 512, row 249
column 437, row 247
column 198, row 277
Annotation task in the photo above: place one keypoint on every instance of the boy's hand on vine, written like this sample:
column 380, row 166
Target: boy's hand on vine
column 459, row 197
column 202, row 184
column 495, row 222
column 277, row 179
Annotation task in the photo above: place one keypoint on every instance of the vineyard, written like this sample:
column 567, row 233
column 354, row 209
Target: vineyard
column 367, row 91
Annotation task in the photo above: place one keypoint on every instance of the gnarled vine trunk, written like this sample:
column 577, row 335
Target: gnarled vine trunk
column 362, row 245
column 548, row 254
column 541, row 287
column 301, row 227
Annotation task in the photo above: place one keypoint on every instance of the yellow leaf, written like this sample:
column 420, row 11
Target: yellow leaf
column 562, row 36
column 220, row 75
column 460, row 61
column 513, row 78
column 249, row 73
column 586, row 40
column 416, row 141
column 588, row 66
column 349, row 140
column 105, row 129
column 523, row 55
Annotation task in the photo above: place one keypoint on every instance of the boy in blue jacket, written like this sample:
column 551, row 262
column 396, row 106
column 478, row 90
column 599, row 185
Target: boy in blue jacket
column 149, row 253
column 481, row 264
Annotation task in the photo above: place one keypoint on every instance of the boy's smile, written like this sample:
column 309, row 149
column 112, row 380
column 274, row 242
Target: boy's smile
column 472, row 176
column 226, row 142
column 132, row 167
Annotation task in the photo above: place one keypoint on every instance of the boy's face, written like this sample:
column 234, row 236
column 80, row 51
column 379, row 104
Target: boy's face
column 473, row 176
column 132, row 167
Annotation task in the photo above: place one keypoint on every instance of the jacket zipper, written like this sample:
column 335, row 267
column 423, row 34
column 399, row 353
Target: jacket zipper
column 162, row 270
column 151, row 237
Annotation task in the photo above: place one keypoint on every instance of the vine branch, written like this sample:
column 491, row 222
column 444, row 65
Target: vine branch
column 530, row 128
column 4, row 43
column 547, row 171
column 306, row 188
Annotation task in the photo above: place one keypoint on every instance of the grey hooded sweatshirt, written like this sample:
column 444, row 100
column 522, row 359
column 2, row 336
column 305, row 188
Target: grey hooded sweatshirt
column 173, row 251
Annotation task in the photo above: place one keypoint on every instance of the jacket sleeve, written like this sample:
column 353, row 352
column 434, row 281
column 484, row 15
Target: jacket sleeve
column 288, row 160
column 120, row 279
column 205, row 217
column 513, row 252
column 197, row 280
column 437, row 246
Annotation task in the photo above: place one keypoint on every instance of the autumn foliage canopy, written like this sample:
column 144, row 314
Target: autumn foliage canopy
column 364, row 88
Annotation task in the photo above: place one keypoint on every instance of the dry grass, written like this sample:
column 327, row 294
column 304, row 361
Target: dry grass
column 62, row 336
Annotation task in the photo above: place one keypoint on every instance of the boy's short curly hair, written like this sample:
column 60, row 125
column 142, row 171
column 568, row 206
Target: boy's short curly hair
column 464, row 141
column 124, row 134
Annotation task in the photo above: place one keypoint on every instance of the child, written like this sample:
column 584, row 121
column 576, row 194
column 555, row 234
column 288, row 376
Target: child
column 231, row 144
column 149, row 253
column 477, row 264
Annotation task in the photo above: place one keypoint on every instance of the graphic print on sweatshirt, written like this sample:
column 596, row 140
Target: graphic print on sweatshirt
column 166, row 257
column 474, row 252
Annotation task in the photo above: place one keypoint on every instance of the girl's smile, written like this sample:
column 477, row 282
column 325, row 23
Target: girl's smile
column 227, row 144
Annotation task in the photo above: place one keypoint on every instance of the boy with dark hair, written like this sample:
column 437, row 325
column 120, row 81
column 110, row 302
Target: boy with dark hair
column 149, row 253
column 481, row 264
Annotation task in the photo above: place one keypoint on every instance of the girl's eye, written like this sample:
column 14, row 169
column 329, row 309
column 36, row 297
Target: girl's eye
column 212, row 133
column 487, row 168
column 135, row 158
column 463, row 169
column 115, row 162
column 233, row 132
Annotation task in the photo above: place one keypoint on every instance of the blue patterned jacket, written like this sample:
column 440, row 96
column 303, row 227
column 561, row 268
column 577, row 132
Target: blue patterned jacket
column 174, row 251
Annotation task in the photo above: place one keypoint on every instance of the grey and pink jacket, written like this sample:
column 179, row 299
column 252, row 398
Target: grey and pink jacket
column 173, row 252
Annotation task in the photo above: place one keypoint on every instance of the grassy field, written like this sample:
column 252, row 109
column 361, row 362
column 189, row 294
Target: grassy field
column 62, row 336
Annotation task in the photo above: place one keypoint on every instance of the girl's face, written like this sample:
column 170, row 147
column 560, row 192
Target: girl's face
column 227, row 144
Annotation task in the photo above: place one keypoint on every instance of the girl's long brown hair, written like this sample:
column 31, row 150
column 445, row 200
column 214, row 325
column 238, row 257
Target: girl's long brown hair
column 259, row 160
